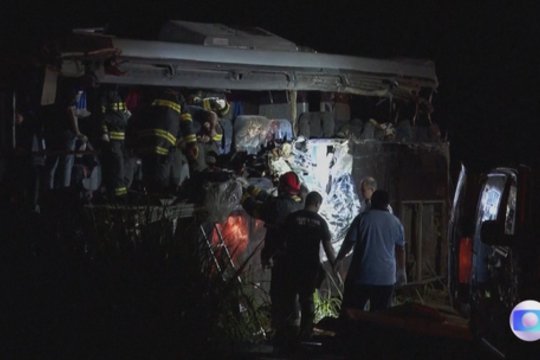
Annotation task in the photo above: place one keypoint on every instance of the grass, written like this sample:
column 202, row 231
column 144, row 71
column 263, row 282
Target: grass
column 326, row 305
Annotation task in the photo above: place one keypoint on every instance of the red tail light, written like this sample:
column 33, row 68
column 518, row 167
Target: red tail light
column 465, row 259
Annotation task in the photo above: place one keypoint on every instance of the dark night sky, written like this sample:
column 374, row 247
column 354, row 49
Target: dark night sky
column 485, row 51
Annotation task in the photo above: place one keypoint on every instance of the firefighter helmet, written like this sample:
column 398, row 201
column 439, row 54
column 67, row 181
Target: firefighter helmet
column 289, row 182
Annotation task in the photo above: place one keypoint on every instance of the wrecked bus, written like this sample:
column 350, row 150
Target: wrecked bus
column 349, row 116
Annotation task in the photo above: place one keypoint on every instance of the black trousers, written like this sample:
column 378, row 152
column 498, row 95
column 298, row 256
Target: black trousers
column 277, row 291
column 163, row 173
column 300, row 281
column 114, row 171
column 154, row 167
column 132, row 171
column 357, row 295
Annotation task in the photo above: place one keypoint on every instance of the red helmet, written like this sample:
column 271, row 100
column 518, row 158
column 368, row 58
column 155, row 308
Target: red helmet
column 289, row 182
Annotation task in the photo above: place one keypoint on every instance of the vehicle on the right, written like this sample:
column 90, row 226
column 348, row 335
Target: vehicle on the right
column 494, row 253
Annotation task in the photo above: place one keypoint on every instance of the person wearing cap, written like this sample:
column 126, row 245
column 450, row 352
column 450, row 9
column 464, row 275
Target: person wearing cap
column 378, row 262
column 273, row 210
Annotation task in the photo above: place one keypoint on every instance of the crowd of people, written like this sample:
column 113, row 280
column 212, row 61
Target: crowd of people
column 151, row 146
column 170, row 138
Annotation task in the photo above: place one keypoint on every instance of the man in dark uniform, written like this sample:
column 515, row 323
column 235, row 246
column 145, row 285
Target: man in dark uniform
column 303, row 233
column 273, row 211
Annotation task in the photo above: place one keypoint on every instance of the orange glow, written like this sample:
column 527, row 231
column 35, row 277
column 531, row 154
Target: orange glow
column 465, row 260
column 235, row 234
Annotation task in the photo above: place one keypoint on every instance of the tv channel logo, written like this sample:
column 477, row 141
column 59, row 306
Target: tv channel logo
column 525, row 320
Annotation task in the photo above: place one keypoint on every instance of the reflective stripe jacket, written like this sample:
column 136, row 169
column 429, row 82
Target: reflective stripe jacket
column 115, row 120
column 163, row 126
column 213, row 104
column 200, row 116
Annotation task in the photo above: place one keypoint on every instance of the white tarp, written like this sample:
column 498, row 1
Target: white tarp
column 325, row 166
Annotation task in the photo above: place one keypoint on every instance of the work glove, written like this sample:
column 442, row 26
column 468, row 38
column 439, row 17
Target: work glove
column 401, row 277
column 204, row 139
column 216, row 104
column 221, row 104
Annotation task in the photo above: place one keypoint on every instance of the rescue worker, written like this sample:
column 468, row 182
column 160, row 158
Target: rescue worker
column 303, row 233
column 273, row 211
column 221, row 108
column 164, row 127
column 114, row 124
column 211, row 103
column 208, row 132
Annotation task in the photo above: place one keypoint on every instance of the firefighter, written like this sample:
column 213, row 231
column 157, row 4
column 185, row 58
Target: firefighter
column 273, row 211
column 221, row 108
column 208, row 132
column 114, row 124
column 210, row 103
column 164, row 128
column 213, row 123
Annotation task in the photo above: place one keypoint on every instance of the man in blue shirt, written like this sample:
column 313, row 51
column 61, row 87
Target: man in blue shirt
column 378, row 258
